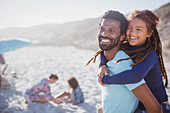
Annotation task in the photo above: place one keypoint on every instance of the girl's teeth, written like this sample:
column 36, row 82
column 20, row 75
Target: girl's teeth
column 133, row 38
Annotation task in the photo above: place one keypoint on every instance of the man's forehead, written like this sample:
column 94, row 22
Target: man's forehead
column 110, row 23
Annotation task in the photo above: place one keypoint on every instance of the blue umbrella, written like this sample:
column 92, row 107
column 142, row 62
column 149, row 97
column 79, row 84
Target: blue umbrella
column 12, row 44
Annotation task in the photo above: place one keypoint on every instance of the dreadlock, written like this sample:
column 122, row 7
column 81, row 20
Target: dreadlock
column 152, row 43
column 94, row 57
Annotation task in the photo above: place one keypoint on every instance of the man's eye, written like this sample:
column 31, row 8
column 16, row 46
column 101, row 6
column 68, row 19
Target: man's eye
column 111, row 31
column 101, row 29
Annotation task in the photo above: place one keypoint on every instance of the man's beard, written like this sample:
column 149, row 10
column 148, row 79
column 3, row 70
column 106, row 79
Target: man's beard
column 113, row 43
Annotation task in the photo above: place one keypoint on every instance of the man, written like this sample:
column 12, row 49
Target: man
column 120, row 98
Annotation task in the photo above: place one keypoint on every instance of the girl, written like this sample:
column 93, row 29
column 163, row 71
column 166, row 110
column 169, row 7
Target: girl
column 41, row 92
column 76, row 96
column 144, row 47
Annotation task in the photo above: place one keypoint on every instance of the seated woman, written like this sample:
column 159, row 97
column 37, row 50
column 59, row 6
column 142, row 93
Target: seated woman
column 76, row 97
column 41, row 92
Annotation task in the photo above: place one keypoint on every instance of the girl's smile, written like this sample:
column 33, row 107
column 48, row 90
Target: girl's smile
column 137, row 32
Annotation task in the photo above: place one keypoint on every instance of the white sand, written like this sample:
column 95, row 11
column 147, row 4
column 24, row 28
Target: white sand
column 35, row 63
column 31, row 64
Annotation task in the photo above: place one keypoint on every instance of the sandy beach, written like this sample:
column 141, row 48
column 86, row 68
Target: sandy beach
column 32, row 64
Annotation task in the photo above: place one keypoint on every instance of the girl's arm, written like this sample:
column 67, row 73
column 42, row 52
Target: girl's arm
column 143, row 93
column 136, row 74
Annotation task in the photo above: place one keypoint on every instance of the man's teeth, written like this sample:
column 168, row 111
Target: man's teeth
column 105, row 40
column 133, row 38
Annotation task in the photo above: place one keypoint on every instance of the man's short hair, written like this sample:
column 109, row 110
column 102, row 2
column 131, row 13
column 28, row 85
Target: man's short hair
column 116, row 15
column 54, row 76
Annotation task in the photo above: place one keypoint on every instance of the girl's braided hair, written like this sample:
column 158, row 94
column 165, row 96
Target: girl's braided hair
column 152, row 43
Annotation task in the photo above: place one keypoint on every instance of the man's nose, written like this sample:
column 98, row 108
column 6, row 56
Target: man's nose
column 104, row 33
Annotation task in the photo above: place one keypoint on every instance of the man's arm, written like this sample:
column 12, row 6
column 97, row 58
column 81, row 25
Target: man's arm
column 143, row 93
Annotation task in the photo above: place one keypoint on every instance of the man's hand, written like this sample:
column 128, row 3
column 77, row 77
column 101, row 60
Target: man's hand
column 102, row 71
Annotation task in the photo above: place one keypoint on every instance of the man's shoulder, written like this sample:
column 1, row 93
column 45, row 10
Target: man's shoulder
column 121, row 55
column 121, row 65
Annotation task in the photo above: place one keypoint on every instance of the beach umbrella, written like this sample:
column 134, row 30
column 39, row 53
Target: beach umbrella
column 12, row 44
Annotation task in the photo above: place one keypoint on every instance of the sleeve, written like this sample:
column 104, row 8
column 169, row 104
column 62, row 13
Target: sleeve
column 136, row 74
column 46, row 90
column 135, row 85
column 102, row 59
column 48, row 95
column 37, row 88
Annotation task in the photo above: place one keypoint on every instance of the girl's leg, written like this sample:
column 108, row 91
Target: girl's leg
column 166, row 108
column 42, row 100
column 64, row 95
column 140, row 111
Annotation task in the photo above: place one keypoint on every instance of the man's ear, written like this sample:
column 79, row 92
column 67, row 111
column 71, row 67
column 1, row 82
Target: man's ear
column 122, row 37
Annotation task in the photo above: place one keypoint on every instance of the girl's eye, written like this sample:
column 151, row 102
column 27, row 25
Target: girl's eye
column 138, row 29
column 128, row 28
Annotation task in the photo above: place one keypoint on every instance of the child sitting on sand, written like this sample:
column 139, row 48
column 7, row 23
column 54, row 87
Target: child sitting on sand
column 76, row 96
column 41, row 92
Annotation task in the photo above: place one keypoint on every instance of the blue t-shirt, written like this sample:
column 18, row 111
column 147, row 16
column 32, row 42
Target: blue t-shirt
column 79, row 97
column 119, row 98
column 148, row 69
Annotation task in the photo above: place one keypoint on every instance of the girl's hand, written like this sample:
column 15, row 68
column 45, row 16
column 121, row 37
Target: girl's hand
column 102, row 71
column 58, row 101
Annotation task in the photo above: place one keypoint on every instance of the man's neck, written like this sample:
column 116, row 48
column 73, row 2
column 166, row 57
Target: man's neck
column 110, row 54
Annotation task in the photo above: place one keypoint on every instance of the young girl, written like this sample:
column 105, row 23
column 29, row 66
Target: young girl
column 41, row 92
column 76, row 96
column 144, row 47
